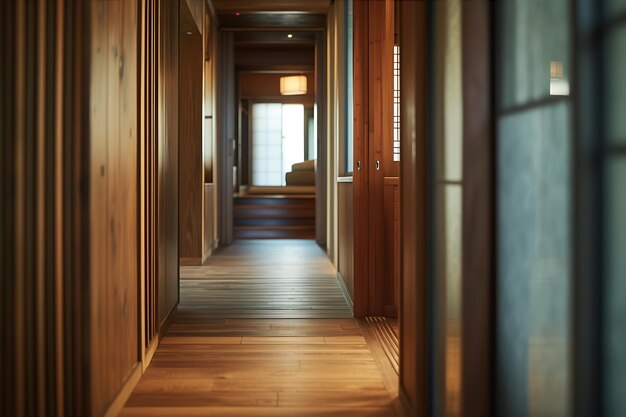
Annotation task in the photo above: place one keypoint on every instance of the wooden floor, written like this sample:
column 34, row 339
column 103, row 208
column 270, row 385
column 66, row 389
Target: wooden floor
column 264, row 279
column 245, row 356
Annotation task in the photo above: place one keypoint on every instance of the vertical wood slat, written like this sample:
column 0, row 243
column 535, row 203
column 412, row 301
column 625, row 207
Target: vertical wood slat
column 414, row 168
column 19, row 213
column 148, row 178
column 361, row 181
column 33, row 356
column 58, row 209
column 40, row 251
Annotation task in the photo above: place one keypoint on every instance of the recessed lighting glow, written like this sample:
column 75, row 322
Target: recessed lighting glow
column 290, row 36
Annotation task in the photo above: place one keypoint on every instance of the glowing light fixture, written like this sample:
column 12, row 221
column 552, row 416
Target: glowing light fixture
column 293, row 85
column 289, row 35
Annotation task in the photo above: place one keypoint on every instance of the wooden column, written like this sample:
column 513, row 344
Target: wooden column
column 414, row 384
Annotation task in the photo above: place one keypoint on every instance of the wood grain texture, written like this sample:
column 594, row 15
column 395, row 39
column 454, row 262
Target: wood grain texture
column 191, row 166
column 361, row 152
column 345, row 235
column 113, row 199
column 254, row 278
column 478, row 212
column 264, row 367
column 274, row 217
column 168, row 134
column 414, row 168
column 373, row 129
column 233, row 350
column 392, row 246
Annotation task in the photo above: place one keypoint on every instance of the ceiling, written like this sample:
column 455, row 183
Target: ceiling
column 268, row 16
column 308, row 6
column 267, row 24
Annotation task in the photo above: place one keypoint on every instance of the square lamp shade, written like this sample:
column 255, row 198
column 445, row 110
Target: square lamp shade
column 293, row 85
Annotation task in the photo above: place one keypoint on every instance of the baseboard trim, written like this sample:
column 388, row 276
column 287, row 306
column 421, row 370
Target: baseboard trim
column 190, row 261
column 150, row 353
column 209, row 251
column 124, row 393
column 166, row 323
column 344, row 290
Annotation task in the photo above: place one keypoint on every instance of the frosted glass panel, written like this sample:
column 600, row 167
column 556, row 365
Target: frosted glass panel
column 533, row 288
column 616, row 79
column 536, row 35
column 615, row 289
column 277, row 141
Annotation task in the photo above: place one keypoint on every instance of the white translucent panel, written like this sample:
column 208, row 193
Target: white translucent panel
column 274, row 111
column 453, row 97
column 259, row 151
column 259, row 165
column 259, row 111
column 616, row 82
column 536, row 33
column 615, row 288
column 277, row 141
column 274, row 151
column 275, row 178
column 259, row 126
column 293, row 135
column 533, row 329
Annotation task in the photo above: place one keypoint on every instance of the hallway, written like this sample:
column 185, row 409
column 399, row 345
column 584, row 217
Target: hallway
column 264, row 279
column 253, row 336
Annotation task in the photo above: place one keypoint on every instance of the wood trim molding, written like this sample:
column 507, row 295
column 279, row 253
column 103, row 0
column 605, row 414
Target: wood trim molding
column 478, row 212
column 124, row 392
column 392, row 180
column 190, row 261
column 414, row 381
column 344, row 289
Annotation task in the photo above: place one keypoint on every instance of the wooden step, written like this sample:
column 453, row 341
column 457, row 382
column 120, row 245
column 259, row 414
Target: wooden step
column 282, row 232
column 274, row 217
column 261, row 211
column 274, row 221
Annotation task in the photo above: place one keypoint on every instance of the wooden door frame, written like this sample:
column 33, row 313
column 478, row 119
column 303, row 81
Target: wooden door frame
column 414, row 119
column 373, row 127
column 478, row 262
column 478, row 209
column 226, row 123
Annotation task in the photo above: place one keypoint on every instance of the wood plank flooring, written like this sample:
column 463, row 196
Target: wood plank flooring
column 267, row 347
column 264, row 279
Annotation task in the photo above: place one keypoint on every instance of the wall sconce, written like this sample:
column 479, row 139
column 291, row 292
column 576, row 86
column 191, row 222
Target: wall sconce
column 293, row 85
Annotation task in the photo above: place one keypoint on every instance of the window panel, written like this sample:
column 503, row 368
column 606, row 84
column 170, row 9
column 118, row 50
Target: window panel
column 616, row 79
column 533, row 277
column 615, row 288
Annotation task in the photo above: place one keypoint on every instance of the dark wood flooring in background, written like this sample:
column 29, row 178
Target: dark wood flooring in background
column 264, row 279
column 263, row 330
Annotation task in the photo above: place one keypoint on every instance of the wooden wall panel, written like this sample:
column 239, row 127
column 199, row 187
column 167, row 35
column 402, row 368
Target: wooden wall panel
column 191, row 167
column 373, row 132
column 113, row 199
column 209, row 96
column 391, row 211
column 414, row 169
column 345, row 235
column 44, row 256
column 168, row 164
column 208, row 234
column 478, row 213
column 361, row 161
